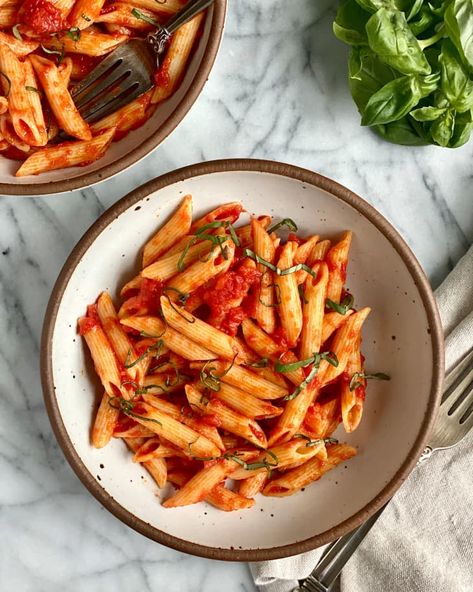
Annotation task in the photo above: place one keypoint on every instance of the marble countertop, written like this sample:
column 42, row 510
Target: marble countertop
column 278, row 91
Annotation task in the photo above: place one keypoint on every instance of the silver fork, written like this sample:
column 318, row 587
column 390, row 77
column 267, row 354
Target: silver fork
column 454, row 421
column 127, row 72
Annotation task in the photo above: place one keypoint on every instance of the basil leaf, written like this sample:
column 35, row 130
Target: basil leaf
column 456, row 82
column 390, row 37
column 73, row 33
column 402, row 132
column 428, row 113
column 288, row 222
column 293, row 365
column 262, row 363
column 143, row 17
column 459, row 25
column 367, row 74
column 442, row 128
column 350, row 22
column 392, row 102
column 462, row 130
column 424, row 21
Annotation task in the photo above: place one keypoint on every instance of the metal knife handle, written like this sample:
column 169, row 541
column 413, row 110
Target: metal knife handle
column 336, row 556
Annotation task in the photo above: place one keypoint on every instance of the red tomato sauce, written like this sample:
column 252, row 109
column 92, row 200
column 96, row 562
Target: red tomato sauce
column 14, row 153
column 279, row 336
column 90, row 321
column 82, row 64
column 162, row 77
column 224, row 299
column 42, row 16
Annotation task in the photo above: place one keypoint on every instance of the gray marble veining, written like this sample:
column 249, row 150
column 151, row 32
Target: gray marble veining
column 278, row 91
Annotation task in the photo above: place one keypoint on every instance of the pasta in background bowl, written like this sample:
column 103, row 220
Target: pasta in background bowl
column 401, row 336
column 39, row 69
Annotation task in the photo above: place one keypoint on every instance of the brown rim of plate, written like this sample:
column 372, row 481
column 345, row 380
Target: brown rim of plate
column 195, row 88
column 305, row 176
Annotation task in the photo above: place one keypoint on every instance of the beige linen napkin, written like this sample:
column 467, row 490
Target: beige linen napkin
column 423, row 542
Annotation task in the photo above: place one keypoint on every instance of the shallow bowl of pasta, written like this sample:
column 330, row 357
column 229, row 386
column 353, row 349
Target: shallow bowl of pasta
column 242, row 359
column 48, row 46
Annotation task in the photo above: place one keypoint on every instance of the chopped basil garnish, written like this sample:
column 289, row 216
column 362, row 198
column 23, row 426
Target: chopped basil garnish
column 143, row 17
column 300, row 289
column 73, row 33
column 16, row 32
column 310, row 443
column 263, row 363
column 127, row 407
column 330, row 357
column 32, row 89
column 210, row 380
column 155, row 347
column 86, row 18
column 252, row 255
column 175, row 308
column 345, row 305
column 286, row 222
column 60, row 54
column 201, row 234
column 356, row 379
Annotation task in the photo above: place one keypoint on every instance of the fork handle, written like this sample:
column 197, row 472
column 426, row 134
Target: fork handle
column 181, row 17
column 336, row 556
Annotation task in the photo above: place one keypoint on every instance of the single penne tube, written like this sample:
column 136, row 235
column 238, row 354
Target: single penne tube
column 289, row 306
column 228, row 500
column 230, row 420
column 172, row 339
column 84, row 13
column 278, row 457
column 245, row 403
column 131, row 286
column 319, row 252
column 65, row 70
column 173, row 66
column 126, row 118
column 332, row 321
column 14, row 82
column 154, row 448
column 201, row 272
column 168, row 266
column 313, row 311
column 290, row 421
column 310, row 471
column 118, row 338
column 174, row 431
column 337, row 260
column 343, row 343
column 64, row 6
column 20, row 47
column 175, row 228
column 245, row 235
column 246, row 380
column 187, row 417
column 229, row 212
column 266, row 297
column 8, row 15
column 131, row 430
column 103, row 356
column 67, row 154
column 322, row 419
column 156, row 467
column 200, row 332
column 91, row 43
column 7, row 132
column 302, row 254
column 59, row 98
column 252, row 485
column 200, row 485
column 104, row 423
column 352, row 395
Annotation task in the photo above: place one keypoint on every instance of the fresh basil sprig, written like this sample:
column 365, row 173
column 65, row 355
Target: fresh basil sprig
column 411, row 68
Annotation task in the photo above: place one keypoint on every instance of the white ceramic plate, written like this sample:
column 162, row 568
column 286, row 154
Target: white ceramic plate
column 138, row 143
column 401, row 337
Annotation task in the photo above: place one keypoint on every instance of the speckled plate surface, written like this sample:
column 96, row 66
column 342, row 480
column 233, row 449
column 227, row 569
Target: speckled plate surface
column 401, row 337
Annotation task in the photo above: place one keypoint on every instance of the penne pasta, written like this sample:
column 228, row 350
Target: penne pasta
column 195, row 385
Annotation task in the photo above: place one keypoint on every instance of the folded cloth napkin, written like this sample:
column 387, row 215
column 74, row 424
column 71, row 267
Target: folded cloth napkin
column 423, row 541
